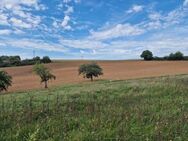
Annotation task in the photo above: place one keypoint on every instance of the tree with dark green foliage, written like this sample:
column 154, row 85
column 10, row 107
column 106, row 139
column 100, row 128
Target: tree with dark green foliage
column 15, row 60
column 44, row 73
column 1, row 60
column 90, row 70
column 147, row 55
column 5, row 81
column 37, row 59
column 46, row 59
column 176, row 56
column 9, row 61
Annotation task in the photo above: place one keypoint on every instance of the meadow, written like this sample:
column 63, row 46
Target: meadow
column 141, row 109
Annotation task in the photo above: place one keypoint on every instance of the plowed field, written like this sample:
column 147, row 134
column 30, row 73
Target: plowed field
column 67, row 72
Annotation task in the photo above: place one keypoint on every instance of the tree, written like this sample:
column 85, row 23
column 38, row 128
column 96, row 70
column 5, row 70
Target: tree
column 179, row 56
column 37, row 59
column 44, row 74
column 176, row 56
column 171, row 56
column 147, row 55
column 46, row 59
column 90, row 70
column 15, row 60
column 5, row 81
column 1, row 60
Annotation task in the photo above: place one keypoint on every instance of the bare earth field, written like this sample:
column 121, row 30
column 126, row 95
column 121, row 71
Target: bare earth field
column 67, row 72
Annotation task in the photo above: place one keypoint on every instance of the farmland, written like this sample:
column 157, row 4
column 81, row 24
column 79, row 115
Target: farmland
column 144, row 109
column 67, row 72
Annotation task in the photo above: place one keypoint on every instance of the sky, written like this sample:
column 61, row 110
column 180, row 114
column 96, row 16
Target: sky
column 93, row 29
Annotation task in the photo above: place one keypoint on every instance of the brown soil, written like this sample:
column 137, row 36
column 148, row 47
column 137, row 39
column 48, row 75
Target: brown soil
column 67, row 72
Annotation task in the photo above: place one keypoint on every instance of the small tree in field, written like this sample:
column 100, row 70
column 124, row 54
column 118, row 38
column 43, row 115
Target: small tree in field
column 90, row 70
column 44, row 74
column 5, row 81
column 147, row 55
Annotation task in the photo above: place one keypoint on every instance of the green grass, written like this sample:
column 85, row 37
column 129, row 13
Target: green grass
column 145, row 109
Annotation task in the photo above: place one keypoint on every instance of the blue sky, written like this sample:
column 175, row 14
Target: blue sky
column 93, row 29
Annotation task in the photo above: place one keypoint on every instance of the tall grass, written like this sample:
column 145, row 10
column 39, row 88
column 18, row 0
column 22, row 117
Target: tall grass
column 147, row 109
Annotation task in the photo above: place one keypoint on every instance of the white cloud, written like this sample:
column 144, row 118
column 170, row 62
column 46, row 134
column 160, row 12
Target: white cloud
column 77, row 1
column 65, row 22
column 185, row 3
column 8, row 31
column 68, row 27
column 16, row 13
column 33, row 43
column 83, row 44
column 157, row 20
column 16, row 4
column 5, row 32
column 3, row 19
column 135, row 9
column 155, row 16
column 20, row 23
column 67, row 1
column 55, row 24
column 69, row 10
column 119, row 30
column 153, row 25
column 123, row 49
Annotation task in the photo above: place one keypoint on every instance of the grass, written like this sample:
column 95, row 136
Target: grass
column 145, row 109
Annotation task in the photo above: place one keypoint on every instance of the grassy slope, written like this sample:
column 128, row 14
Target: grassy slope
column 146, row 109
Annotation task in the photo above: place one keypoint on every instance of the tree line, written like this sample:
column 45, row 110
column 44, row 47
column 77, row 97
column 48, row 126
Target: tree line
column 88, row 71
column 148, row 55
column 9, row 61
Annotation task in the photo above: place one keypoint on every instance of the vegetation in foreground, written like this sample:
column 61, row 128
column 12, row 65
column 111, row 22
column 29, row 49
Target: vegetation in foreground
column 146, row 109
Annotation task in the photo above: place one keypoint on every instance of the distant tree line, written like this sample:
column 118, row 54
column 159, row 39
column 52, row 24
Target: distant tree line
column 9, row 61
column 148, row 55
